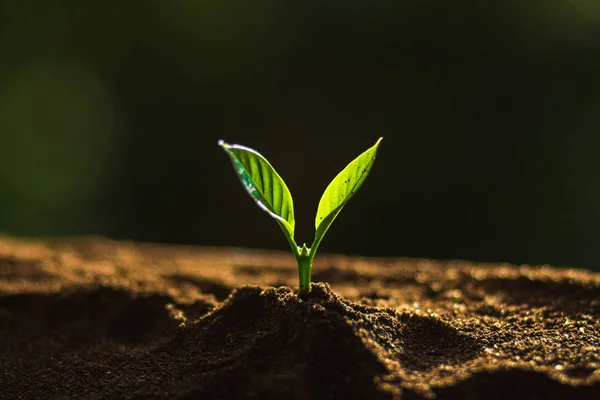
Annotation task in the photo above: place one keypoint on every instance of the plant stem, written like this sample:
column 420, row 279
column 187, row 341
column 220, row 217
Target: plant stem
column 304, row 259
column 291, row 241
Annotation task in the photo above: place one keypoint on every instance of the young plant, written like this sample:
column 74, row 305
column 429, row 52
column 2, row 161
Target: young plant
column 270, row 193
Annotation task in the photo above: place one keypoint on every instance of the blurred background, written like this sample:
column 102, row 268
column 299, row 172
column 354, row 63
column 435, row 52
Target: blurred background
column 110, row 113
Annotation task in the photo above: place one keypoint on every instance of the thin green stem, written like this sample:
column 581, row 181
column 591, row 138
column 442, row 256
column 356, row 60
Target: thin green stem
column 304, row 257
column 290, row 240
column 304, row 269
column 314, row 247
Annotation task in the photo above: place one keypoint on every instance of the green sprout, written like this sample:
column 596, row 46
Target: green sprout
column 270, row 193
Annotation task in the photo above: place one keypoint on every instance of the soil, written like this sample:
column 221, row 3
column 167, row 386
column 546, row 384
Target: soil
column 96, row 319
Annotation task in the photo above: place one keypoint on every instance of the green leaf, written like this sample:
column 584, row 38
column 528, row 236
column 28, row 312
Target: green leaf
column 340, row 190
column 263, row 184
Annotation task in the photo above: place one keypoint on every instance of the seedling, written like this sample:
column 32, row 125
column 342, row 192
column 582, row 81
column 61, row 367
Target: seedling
column 270, row 193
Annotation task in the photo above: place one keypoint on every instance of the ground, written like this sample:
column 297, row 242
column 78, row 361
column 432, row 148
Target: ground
column 98, row 319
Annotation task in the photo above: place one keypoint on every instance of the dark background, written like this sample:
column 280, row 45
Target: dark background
column 110, row 112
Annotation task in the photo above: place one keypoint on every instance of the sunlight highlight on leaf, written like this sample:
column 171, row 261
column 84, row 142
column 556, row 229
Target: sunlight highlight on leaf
column 263, row 184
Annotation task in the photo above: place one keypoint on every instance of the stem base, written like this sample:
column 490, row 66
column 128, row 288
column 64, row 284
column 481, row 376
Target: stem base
column 304, row 259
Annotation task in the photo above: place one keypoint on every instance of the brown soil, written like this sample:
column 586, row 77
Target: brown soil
column 96, row 319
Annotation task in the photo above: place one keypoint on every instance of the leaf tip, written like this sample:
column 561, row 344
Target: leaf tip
column 221, row 143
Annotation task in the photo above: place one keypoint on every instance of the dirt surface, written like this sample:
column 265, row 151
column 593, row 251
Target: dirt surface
column 96, row 319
